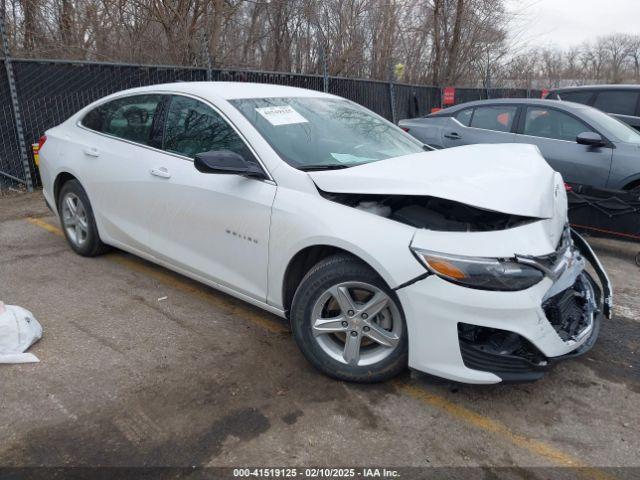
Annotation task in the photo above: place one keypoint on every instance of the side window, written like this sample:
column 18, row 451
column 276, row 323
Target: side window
column 549, row 123
column 498, row 118
column 464, row 116
column 621, row 102
column 94, row 120
column 582, row 96
column 193, row 127
column 130, row 118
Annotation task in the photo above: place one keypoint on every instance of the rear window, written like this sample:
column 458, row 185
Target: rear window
column 498, row 118
column 130, row 118
column 620, row 102
column 583, row 96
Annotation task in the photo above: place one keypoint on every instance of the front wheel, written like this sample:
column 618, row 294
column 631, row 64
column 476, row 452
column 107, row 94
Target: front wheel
column 348, row 323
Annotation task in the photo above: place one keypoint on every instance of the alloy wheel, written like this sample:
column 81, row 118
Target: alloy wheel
column 74, row 219
column 356, row 323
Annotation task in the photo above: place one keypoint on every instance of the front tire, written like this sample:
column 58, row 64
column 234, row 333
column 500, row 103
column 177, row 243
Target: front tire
column 78, row 222
column 348, row 323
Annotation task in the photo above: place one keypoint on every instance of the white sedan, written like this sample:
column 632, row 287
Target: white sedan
column 380, row 252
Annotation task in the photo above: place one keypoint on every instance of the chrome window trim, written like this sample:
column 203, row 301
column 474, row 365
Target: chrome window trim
column 483, row 129
column 166, row 152
column 486, row 129
column 548, row 138
column 458, row 122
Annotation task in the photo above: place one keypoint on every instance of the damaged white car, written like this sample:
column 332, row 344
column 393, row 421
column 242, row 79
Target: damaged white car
column 382, row 254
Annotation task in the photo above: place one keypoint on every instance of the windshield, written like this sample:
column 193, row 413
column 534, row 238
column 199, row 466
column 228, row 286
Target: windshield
column 325, row 133
column 616, row 128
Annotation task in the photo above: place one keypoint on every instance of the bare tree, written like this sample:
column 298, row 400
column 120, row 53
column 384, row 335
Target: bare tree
column 442, row 42
column 617, row 48
column 634, row 55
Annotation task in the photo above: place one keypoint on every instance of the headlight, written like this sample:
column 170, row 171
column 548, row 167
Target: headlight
column 482, row 273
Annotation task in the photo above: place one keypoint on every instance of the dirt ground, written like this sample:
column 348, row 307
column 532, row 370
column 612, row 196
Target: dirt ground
column 141, row 367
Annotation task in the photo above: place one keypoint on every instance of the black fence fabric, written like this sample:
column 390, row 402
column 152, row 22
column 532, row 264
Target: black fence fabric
column 610, row 213
column 11, row 168
column 49, row 91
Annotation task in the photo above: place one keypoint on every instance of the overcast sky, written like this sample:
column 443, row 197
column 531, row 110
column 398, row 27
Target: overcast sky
column 569, row 22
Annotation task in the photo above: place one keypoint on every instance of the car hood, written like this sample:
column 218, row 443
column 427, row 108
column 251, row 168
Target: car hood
column 508, row 178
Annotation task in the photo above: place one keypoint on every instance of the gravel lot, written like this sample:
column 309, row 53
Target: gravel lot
column 199, row 378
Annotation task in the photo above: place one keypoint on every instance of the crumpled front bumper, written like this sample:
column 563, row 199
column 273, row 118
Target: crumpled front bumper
column 435, row 310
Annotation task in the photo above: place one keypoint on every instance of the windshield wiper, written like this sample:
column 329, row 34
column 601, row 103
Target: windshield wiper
column 327, row 166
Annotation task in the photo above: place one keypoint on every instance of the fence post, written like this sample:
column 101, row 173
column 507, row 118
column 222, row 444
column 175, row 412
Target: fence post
column 392, row 94
column 325, row 69
column 16, row 106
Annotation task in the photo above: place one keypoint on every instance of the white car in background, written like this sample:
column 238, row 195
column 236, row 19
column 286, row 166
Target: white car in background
column 459, row 263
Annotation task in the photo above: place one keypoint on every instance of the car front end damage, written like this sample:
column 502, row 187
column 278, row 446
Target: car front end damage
column 476, row 335
column 506, row 290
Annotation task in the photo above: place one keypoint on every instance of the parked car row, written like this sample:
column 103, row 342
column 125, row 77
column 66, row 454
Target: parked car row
column 584, row 144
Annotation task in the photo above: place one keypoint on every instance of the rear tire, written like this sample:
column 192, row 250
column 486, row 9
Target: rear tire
column 348, row 323
column 78, row 222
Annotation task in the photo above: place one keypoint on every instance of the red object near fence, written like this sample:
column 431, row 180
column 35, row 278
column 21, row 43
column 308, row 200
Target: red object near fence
column 449, row 96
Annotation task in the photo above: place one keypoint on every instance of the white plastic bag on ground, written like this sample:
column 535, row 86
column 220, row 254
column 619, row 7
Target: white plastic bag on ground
column 18, row 331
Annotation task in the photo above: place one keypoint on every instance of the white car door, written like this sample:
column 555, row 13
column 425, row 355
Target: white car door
column 116, row 164
column 213, row 225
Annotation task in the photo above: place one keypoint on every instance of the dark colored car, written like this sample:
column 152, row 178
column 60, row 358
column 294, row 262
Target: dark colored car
column 585, row 145
column 621, row 101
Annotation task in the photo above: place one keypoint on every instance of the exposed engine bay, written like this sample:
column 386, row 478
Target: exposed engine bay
column 430, row 212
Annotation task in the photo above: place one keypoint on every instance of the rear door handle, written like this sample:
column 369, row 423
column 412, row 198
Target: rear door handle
column 91, row 152
column 453, row 136
column 161, row 172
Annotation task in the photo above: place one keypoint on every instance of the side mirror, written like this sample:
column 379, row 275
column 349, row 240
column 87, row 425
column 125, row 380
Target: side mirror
column 590, row 139
column 226, row 162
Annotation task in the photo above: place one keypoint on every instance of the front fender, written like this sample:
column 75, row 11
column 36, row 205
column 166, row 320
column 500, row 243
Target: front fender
column 300, row 220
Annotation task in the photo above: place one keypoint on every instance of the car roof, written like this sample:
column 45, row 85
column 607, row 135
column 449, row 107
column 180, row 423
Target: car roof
column 570, row 106
column 227, row 90
column 597, row 87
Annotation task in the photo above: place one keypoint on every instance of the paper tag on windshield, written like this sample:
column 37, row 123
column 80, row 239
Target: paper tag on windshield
column 284, row 115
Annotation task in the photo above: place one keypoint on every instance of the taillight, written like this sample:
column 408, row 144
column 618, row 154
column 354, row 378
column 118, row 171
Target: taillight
column 36, row 147
column 405, row 129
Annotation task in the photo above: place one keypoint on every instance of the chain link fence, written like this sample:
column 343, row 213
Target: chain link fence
column 49, row 91
column 11, row 169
